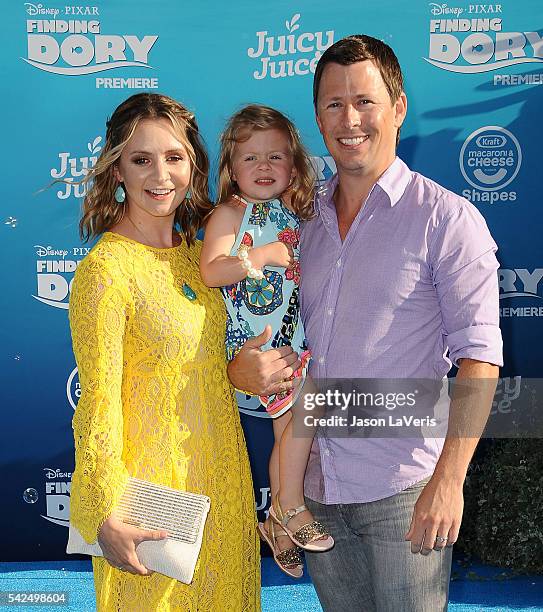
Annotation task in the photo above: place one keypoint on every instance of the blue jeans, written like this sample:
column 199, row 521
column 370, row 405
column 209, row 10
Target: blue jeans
column 371, row 567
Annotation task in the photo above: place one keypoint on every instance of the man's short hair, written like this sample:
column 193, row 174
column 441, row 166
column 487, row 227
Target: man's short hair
column 357, row 48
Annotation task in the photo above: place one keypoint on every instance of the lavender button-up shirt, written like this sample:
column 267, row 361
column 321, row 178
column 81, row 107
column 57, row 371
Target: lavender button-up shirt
column 412, row 288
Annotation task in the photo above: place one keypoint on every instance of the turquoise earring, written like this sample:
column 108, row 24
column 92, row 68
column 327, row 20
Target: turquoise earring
column 188, row 195
column 120, row 194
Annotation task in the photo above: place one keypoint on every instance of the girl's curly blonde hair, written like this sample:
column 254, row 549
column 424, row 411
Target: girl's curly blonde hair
column 239, row 129
column 100, row 209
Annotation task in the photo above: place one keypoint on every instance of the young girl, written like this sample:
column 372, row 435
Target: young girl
column 251, row 251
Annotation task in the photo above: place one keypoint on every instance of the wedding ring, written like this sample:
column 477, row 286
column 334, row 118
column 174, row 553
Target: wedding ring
column 441, row 540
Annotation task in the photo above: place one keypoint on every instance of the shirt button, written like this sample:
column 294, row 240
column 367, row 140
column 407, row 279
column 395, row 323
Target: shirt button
column 338, row 262
column 330, row 312
column 321, row 359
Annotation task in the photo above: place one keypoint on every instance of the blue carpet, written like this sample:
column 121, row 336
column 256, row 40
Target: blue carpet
column 477, row 588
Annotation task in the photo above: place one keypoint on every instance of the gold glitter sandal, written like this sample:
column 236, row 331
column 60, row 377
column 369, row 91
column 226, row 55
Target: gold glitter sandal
column 289, row 560
column 312, row 536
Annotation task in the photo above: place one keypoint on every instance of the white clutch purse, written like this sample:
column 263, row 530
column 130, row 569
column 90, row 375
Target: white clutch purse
column 151, row 506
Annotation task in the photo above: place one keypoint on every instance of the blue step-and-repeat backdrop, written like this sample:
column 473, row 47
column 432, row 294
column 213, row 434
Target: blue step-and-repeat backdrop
column 474, row 76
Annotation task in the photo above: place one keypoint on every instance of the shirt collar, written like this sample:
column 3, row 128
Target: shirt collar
column 393, row 182
column 325, row 193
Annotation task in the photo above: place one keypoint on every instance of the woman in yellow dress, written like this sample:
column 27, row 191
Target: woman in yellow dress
column 148, row 337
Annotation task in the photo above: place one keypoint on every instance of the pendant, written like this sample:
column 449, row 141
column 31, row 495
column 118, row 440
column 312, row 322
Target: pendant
column 188, row 292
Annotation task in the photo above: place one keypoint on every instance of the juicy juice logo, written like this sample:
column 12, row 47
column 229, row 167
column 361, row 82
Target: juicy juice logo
column 297, row 53
column 75, row 168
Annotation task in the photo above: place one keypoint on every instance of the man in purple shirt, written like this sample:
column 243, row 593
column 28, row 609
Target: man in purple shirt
column 398, row 281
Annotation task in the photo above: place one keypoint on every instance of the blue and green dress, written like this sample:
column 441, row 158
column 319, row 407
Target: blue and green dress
column 252, row 304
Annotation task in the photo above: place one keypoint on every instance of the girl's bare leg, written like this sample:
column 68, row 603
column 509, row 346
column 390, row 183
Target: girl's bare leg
column 294, row 448
column 279, row 426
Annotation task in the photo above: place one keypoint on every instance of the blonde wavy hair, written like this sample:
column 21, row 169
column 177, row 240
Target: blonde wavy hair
column 100, row 209
column 239, row 129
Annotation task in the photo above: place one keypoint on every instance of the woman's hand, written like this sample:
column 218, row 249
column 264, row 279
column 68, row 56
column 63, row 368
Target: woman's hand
column 276, row 253
column 118, row 542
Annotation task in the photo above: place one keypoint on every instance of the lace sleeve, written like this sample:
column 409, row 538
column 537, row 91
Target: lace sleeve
column 99, row 305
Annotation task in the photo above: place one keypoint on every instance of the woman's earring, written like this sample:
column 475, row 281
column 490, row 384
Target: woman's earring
column 188, row 195
column 120, row 194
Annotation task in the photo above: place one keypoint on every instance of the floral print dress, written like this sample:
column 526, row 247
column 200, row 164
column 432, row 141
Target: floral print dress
column 252, row 304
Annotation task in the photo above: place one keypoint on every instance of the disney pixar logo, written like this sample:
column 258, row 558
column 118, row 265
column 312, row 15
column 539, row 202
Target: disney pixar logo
column 77, row 47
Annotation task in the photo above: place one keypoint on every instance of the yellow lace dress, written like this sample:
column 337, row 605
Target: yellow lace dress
column 156, row 404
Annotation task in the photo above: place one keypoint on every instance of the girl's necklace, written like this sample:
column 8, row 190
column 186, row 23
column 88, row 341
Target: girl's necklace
column 188, row 291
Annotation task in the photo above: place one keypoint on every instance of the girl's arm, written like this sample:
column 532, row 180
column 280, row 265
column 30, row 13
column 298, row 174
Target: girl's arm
column 217, row 267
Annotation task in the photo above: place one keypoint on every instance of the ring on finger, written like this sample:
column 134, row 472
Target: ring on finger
column 441, row 539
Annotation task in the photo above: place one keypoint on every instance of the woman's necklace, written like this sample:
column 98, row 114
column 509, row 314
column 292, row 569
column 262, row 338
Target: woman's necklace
column 188, row 291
